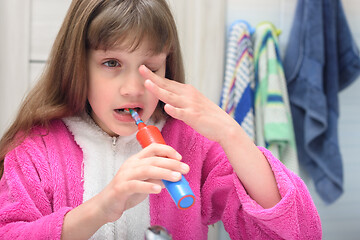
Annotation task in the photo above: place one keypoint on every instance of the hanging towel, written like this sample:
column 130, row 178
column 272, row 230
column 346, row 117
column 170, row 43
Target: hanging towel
column 238, row 90
column 321, row 59
column 273, row 121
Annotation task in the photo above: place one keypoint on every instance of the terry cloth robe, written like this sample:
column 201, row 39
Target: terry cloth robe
column 273, row 120
column 42, row 181
column 321, row 59
column 238, row 89
column 97, row 146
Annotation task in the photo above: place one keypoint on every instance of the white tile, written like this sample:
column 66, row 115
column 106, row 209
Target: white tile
column 36, row 70
column 47, row 16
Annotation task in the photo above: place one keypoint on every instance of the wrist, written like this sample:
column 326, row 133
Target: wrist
column 83, row 221
column 232, row 133
column 237, row 144
column 97, row 210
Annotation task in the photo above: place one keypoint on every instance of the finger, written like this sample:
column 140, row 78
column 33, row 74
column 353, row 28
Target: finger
column 145, row 187
column 163, row 94
column 174, row 112
column 160, row 150
column 166, row 90
column 167, row 84
column 153, row 172
column 157, row 182
column 166, row 163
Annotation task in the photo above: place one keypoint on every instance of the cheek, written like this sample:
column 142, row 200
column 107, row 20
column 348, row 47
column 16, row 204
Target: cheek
column 100, row 96
column 153, row 102
column 150, row 105
column 99, row 93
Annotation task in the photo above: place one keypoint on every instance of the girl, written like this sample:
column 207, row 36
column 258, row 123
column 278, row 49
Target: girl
column 72, row 168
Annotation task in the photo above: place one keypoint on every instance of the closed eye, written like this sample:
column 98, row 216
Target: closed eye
column 153, row 69
column 112, row 63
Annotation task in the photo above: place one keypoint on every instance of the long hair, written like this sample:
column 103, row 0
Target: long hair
column 92, row 24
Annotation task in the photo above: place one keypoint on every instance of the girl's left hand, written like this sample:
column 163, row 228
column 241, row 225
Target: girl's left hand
column 186, row 103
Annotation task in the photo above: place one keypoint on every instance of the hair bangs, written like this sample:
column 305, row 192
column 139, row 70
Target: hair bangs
column 127, row 24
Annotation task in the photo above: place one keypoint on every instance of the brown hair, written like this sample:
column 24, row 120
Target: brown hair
column 91, row 24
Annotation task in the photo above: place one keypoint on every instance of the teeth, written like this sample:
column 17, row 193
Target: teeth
column 120, row 110
column 123, row 110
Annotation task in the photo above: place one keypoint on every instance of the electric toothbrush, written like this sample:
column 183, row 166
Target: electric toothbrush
column 180, row 191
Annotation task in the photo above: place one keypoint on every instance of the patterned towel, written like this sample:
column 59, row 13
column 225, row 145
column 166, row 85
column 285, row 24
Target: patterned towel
column 238, row 90
column 274, row 127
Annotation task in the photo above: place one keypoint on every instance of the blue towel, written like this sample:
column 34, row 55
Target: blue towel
column 321, row 59
column 237, row 97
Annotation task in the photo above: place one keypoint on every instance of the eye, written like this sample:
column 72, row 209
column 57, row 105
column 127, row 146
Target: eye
column 153, row 69
column 111, row 63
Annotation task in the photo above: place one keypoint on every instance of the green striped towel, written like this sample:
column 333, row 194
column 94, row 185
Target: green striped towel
column 273, row 121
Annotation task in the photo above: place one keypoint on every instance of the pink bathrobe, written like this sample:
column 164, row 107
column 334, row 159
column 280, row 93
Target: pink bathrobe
column 42, row 182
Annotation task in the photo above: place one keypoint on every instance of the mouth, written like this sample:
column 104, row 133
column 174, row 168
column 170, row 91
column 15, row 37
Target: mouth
column 125, row 111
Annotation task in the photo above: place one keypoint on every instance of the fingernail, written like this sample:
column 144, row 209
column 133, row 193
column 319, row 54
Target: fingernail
column 176, row 175
column 178, row 156
column 156, row 188
column 145, row 68
column 184, row 167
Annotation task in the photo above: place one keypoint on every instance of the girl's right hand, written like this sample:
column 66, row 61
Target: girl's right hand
column 139, row 176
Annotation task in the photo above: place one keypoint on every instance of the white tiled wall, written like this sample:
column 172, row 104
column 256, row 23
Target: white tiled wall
column 46, row 19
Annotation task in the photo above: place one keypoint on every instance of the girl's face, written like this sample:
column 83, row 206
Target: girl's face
column 115, row 84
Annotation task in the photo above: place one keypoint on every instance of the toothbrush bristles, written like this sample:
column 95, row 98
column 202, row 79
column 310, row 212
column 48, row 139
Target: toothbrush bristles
column 134, row 115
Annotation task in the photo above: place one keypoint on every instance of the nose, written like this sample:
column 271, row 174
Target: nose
column 133, row 84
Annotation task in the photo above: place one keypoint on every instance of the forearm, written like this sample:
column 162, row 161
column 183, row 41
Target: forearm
column 251, row 167
column 83, row 221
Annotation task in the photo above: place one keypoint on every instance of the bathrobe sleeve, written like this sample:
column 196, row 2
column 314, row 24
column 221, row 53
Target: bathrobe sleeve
column 34, row 190
column 294, row 217
column 25, row 203
column 221, row 196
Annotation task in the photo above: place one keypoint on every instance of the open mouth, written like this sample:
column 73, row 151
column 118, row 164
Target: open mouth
column 125, row 111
